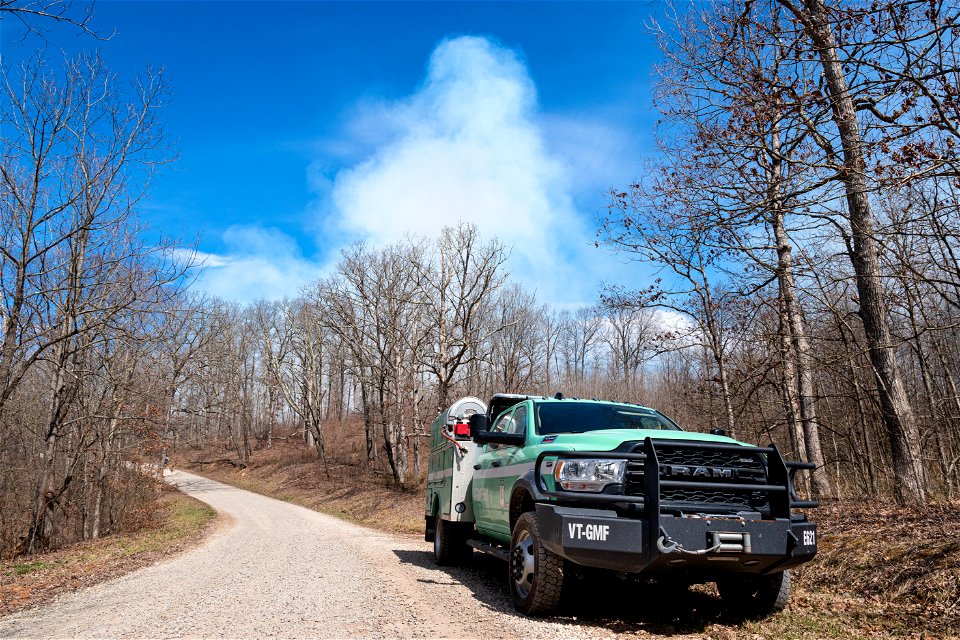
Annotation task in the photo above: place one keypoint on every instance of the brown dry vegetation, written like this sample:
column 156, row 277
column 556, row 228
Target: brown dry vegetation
column 882, row 571
column 173, row 523
column 881, row 564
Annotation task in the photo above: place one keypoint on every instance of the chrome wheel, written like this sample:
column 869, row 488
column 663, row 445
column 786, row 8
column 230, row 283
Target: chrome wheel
column 535, row 574
column 523, row 564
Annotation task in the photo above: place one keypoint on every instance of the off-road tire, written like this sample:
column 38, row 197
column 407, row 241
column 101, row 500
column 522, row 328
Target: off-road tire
column 450, row 543
column 753, row 596
column 535, row 573
column 430, row 529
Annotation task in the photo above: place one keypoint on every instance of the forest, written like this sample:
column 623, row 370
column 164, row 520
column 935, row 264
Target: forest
column 802, row 217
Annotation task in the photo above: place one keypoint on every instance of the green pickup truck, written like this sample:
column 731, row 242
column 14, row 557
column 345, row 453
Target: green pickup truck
column 554, row 486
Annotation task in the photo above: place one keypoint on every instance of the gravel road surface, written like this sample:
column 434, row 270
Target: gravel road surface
column 278, row 570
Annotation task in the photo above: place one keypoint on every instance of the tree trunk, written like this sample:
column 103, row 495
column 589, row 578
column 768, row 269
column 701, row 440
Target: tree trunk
column 371, row 449
column 910, row 483
column 386, row 428
column 417, row 433
column 858, row 396
column 791, row 401
column 792, row 323
column 727, row 396
column 44, row 499
column 102, row 475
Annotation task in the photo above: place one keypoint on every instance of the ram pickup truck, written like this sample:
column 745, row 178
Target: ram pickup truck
column 556, row 486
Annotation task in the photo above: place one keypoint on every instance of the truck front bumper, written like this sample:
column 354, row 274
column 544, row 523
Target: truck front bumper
column 602, row 539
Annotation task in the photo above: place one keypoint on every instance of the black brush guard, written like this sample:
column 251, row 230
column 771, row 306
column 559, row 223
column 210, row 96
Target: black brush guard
column 779, row 486
column 650, row 529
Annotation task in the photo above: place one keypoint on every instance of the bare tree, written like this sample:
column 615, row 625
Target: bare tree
column 725, row 87
column 632, row 338
column 73, row 154
column 823, row 27
column 516, row 352
column 373, row 305
column 664, row 227
column 76, row 154
column 578, row 343
column 294, row 338
column 462, row 276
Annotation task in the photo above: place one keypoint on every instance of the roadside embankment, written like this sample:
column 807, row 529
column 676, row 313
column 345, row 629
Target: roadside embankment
column 175, row 522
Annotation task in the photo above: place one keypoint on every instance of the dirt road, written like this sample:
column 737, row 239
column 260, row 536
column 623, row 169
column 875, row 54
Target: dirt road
column 275, row 569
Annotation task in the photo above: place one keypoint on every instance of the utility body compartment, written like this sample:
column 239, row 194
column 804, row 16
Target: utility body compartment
column 452, row 456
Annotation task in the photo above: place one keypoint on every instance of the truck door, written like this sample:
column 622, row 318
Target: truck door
column 500, row 466
column 485, row 495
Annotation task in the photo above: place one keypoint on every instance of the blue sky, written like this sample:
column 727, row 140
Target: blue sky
column 303, row 126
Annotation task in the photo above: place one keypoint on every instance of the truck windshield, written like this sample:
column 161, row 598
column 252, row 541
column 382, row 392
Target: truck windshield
column 576, row 417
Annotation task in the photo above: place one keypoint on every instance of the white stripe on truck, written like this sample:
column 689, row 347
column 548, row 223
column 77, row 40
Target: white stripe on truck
column 437, row 475
column 504, row 472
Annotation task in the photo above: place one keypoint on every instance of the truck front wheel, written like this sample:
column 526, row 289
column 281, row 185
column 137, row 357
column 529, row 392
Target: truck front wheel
column 753, row 596
column 536, row 574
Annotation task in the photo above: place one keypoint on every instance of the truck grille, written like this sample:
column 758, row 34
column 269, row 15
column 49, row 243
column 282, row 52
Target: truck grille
column 708, row 466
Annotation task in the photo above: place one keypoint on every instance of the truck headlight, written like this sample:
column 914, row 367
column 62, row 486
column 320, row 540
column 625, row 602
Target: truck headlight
column 588, row 474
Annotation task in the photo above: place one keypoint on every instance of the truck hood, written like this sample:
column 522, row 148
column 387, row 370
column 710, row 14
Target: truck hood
column 609, row 439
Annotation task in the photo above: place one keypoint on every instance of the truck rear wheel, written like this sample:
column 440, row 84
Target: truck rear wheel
column 535, row 573
column 753, row 596
column 450, row 543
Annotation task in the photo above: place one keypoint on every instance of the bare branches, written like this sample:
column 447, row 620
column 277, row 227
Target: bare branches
column 35, row 15
column 75, row 159
column 80, row 289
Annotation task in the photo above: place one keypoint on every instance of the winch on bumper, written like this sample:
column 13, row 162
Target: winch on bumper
column 651, row 524
column 601, row 538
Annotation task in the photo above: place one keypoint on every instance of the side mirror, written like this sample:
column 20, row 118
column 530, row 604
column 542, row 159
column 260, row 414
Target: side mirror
column 478, row 423
column 498, row 437
column 717, row 432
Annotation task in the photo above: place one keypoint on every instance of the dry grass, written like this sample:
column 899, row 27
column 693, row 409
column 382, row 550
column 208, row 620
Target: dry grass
column 884, row 565
column 881, row 571
column 175, row 522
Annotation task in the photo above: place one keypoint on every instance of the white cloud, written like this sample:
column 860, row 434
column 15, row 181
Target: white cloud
column 598, row 152
column 468, row 146
column 258, row 263
column 198, row 259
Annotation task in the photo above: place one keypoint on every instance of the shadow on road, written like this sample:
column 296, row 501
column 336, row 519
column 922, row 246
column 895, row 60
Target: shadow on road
column 195, row 484
column 596, row 600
